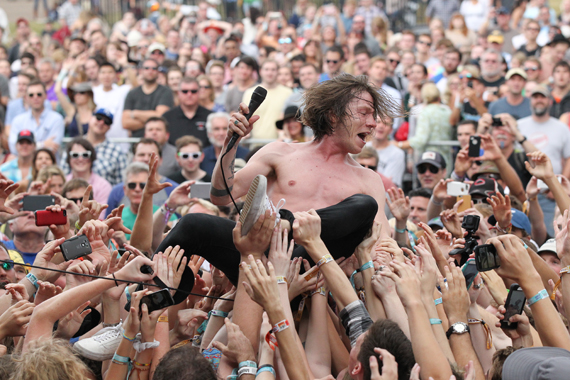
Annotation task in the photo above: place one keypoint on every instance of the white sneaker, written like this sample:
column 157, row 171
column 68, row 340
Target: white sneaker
column 256, row 203
column 102, row 345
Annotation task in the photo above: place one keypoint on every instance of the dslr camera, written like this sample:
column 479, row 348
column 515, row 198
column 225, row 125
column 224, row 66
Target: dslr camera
column 471, row 225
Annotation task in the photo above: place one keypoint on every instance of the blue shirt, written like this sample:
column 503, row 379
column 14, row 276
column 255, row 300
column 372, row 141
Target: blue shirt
column 117, row 196
column 209, row 162
column 16, row 107
column 11, row 170
column 51, row 125
column 28, row 257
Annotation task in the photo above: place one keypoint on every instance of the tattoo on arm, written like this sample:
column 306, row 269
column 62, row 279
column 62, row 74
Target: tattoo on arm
column 231, row 169
column 220, row 193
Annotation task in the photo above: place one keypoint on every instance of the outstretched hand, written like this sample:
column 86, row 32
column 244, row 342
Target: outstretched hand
column 7, row 187
column 262, row 285
column 539, row 165
column 153, row 184
column 398, row 203
column 258, row 238
column 89, row 210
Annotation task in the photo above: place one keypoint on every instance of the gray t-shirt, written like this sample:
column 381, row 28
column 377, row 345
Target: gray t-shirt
column 518, row 112
column 169, row 163
column 4, row 87
column 551, row 137
column 137, row 100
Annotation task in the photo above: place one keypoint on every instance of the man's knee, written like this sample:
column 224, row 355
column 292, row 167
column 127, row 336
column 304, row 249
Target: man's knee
column 365, row 205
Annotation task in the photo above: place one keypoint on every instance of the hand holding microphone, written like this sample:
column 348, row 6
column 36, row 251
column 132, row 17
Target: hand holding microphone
column 257, row 98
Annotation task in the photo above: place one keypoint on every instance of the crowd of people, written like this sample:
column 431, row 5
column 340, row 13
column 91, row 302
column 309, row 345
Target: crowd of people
column 345, row 235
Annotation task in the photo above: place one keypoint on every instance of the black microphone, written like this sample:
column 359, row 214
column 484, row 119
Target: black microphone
column 257, row 98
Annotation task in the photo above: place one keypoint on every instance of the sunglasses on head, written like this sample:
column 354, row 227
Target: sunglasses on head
column 468, row 76
column 105, row 119
column 186, row 91
column 423, row 168
column 38, row 94
column 85, row 154
column 185, row 156
column 133, row 185
column 334, row 61
column 8, row 265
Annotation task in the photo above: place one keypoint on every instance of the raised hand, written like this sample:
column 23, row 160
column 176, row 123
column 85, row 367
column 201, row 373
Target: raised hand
column 398, row 203
column 440, row 190
column 279, row 255
column 391, row 246
column 451, row 222
column 532, row 188
column 7, row 187
column 539, row 165
column 389, row 366
column 89, row 210
column 59, row 230
column 262, row 286
column 258, row 238
column 17, row 291
column 515, row 261
column 562, row 236
column 307, row 227
column 69, row 325
column 80, row 267
column 46, row 291
column 180, row 196
column 43, row 260
column 454, row 294
column 115, row 221
column 14, row 321
column 239, row 347
column 177, row 261
column 153, row 184
column 521, row 334
column 492, row 150
column 407, row 282
column 462, row 162
column 98, row 234
column 501, row 209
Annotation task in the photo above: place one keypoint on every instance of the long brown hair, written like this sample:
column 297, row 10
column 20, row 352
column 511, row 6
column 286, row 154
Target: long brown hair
column 330, row 100
column 464, row 30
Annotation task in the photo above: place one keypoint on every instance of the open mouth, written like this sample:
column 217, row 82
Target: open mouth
column 363, row 136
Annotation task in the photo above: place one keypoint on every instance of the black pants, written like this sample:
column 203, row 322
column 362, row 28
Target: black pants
column 343, row 227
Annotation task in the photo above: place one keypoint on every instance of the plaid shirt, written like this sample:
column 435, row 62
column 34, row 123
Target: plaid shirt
column 356, row 320
column 110, row 164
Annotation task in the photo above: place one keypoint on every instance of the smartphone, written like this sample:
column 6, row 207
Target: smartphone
column 75, row 247
column 514, row 305
column 474, row 146
column 121, row 251
column 47, row 218
column 469, row 272
column 486, row 257
column 466, row 202
column 37, row 202
column 470, row 84
column 200, row 190
column 497, row 122
column 157, row 300
column 455, row 189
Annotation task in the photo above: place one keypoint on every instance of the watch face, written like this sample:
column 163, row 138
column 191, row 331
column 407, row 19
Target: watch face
column 460, row 328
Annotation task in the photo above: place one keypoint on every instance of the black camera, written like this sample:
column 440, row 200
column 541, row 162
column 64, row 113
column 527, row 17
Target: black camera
column 471, row 225
column 496, row 122
column 486, row 257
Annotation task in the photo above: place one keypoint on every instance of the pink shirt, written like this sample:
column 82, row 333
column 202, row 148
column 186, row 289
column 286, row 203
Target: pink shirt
column 101, row 189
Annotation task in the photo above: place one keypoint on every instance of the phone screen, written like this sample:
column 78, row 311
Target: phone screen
column 514, row 306
column 469, row 272
column 157, row 300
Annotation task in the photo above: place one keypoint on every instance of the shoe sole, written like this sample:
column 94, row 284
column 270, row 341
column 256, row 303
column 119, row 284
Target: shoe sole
column 253, row 205
column 91, row 355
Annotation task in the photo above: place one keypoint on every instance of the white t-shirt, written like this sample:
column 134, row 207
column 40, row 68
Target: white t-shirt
column 551, row 137
column 391, row 163
column 113, row 101
column 475, row 14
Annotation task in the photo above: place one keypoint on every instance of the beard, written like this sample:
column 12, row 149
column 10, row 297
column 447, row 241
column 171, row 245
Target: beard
column 3, row 283
column 539, row 111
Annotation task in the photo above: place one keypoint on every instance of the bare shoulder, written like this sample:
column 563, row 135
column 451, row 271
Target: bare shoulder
column 275, row 150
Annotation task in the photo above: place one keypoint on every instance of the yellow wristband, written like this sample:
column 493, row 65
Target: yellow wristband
column 163, row 318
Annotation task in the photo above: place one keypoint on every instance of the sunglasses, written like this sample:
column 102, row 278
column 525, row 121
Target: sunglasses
column 468, row 76
column 157, row 52
column 186, row 91
column 105, row 119
column 206, row 87
column 81, row 93
column 531, row 69
column 38, row 94
column 490, row 176
column 285, row 40
column 186, row 156
column 334, row 61
column 394, row 61
column 75, row 200
column 133, row 185
column 372, row 167
column 86, row 154
column 425, row 43
column 423, row 168
column 479, row 201
column 8, row 265
column 150, row 68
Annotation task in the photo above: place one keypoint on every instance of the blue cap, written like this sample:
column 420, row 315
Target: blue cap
column 436, row 222
column 518, row 220
column 104, row 112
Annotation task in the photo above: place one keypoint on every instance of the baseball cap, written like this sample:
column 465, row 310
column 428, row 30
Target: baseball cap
column 81, row 87
column 26, row 134
column 156, row 46
column 545, row 363
column 486, row 167
column 516, row 71
column 518, row 220
column 104, row 112
column 485, row 187
column 558, row 38
column 290, row 111
column 503, row 11
column 496, row 37
column 436, row 222
column 548, row 246
column 432, row 158
column 540, row 89
column 134, row 37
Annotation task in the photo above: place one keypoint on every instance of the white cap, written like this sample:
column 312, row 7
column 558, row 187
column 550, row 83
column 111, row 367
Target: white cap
column 548, row 246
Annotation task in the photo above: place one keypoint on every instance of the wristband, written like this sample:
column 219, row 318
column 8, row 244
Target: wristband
column 488, row 334
column 127, row 338
column 141, row 364
column 432, row 200
column 401, row 231
column 281, row 280
column 435, row 321
column 234, row 375
column 121, row 359
column 219, row 313
column 248, row 363
column 247, row 371
column 33, row 279
column 77, row 226
column 325, row 260
column 539, row 296
column 266, row 368
column 438, row 301
column 140, row 346
column 505, row 230
column 365, row 266
column 523, row 140
column 322, row 291
column 270, row 338
column 167, row 211
column 563, row 271
column 163, row 318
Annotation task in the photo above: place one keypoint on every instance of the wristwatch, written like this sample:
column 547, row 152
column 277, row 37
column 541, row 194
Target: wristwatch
column 457, row 328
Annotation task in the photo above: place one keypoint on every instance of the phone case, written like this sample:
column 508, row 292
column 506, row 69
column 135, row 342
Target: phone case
column 158, row 300
column 474, row 146
column 466, row 202
column 482, row 261
column 75, row 247
column 37, row 202
column 514, row 291
column 46, row 218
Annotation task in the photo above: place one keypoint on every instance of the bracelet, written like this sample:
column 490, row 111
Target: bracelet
column 114, row 278
column 563, row 271
column 432, row 200
column 505, row 230
column 167, row 211
column 77, row 226
column 325, row 260
column 266, row 368
column 127, row 338
column 248, row 363
column 121, row 359
column 140, row 346
column 523, row 140
column 435, row 321
column 270, row 338
column 438, row 301
column 219, row 313
column 247, row 371
column 163, row 318
column 401, row 231
column 234, row 375
column 111, row 324
column 532, row 199
column 141, row 364
column 539, row 296
column 488, row 334
column 33, row 279
column 365, row 266
column 281, row 280
column 322, row 291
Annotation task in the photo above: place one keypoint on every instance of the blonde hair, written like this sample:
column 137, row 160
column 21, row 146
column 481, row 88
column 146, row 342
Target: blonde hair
column 430, row 93
column 207, row 205
column 49, row 359
column 49, row 171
